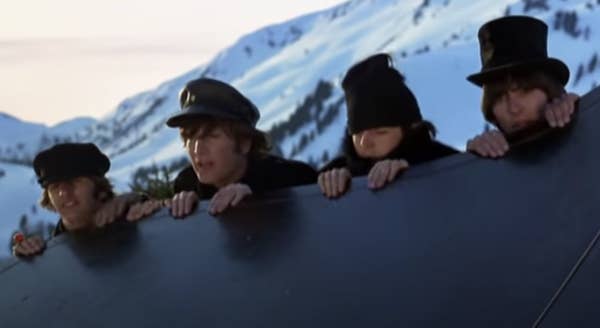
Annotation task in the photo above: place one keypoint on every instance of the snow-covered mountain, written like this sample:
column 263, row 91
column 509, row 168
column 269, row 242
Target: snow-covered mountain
column 292, row 72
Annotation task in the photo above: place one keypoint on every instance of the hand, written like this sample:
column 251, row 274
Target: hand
column 228, row 196
column 183, row 204
column 385, row 171
column 30, row 246
column 489, row 144
column 559, row 111
column 114, row 209
column 334, row 182
column 143, row 210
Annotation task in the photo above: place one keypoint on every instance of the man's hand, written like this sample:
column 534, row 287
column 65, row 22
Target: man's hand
column 491, row 144
column 183, row 204
column 28, row 246
column 143, row 210
column 335, row 182
column 114, row 209
column 228, row 196
column 559, row 111
column 385, row 171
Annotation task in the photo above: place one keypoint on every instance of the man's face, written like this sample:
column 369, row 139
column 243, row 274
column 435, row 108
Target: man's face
column 75, row 201
column 377, row 143
column 215, row 156
column 518, row 109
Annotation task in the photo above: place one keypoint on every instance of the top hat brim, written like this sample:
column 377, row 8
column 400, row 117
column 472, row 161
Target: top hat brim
column 199, row 111
column 554, row 66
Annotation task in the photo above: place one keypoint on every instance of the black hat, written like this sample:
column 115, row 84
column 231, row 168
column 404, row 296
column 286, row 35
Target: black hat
column 516, row 44
column 208, row 97
column 376, row 96
column 69, row 160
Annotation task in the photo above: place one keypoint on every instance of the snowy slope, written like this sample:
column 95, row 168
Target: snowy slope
column 292, row 72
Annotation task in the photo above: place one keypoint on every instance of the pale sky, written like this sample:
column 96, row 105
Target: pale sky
column 65, row 58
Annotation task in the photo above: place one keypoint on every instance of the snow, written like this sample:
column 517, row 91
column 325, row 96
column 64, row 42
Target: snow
column 278, row 66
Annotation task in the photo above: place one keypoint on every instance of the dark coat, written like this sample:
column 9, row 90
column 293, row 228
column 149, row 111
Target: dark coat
column 262, row 175
column 420, row 148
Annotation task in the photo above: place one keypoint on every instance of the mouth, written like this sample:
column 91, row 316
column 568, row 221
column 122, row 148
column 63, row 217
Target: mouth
column 69, row 205
column 204, row 165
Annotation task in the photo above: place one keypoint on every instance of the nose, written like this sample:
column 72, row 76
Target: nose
column 63, row 189
column 513, row 105
column 365, row 139
column 196, row 148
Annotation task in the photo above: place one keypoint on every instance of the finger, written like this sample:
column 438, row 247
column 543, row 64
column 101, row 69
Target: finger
column 549, row 115
column 502, row 141
column 180, row 205
column 133, row 214
column 571, row 100
column 379, row 173
column 324, row 182
column 371, row 175
column 225, row 200
column 19, row 250
column 399, row 165
column 329, row 184
column 151, row 207
column 120, row 210
column 568, row 107
column 189, row 202
column 237, row 198
column 215, row 205
column 215, row 202
column 334, row 183
column 174, row 205
column 497, row 144
column 321, row 183
column 26, row 247
column 342, row 182
column 381, row 177
column 558, row 108
column 490, row 147
column 38, row 243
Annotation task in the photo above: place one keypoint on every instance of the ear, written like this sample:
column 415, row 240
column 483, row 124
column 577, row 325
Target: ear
column 245, row 146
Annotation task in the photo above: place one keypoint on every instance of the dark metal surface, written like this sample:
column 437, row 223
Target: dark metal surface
column 461, row 242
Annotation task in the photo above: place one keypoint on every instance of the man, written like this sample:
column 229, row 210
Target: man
column 72, row 176
column 386, row 132
column 229, row 156
column 523, row 88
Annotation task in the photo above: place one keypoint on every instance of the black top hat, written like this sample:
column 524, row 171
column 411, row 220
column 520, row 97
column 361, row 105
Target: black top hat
column 516, row 44
column 69, row 160
column 376, row 96
column 208, row 97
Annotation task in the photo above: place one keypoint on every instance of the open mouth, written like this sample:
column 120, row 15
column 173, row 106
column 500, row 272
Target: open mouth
column 69, row 205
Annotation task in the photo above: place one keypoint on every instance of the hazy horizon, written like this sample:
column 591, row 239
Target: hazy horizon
column 72, row 63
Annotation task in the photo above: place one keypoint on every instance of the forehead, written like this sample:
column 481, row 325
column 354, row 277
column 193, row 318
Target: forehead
column 380, row 129
column 76, row 181
column 200, row 126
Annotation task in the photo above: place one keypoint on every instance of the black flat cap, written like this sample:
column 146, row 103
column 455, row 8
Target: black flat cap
column 207, row 97
column 69, row 160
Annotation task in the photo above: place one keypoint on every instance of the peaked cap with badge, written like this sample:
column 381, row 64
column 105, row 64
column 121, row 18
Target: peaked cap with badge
column 206, row 97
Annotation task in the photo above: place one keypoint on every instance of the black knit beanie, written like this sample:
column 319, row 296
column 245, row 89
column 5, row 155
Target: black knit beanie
column 376, row 96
